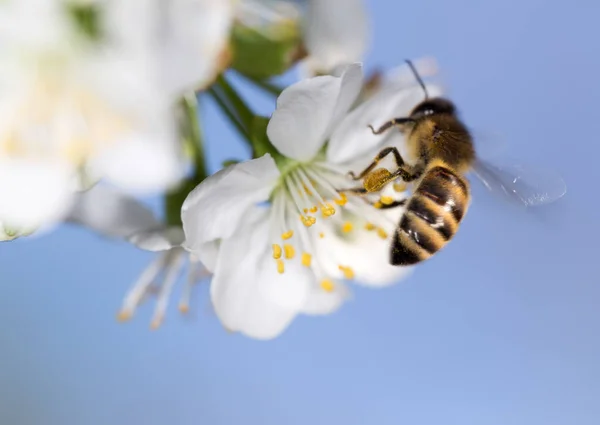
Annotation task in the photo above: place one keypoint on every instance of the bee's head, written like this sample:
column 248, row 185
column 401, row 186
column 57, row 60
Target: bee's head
column 436, row 105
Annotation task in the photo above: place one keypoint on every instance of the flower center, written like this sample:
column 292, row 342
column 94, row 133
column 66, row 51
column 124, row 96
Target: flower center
column 308, row 203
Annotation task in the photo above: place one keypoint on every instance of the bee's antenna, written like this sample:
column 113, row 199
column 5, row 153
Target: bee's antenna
column 418, row 77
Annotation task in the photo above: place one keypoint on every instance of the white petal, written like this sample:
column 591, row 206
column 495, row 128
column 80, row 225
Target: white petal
column 194, row 42
column 235, row 289
column 365, row 252
column 161, row 239
column 110, row 212
column 215, row 207
column 288, row 290
column 34, row 193
column 352, row 138
column 144, row 163
column 208, row 253
column 307, row 110
column 320, row 302
column 336, row 32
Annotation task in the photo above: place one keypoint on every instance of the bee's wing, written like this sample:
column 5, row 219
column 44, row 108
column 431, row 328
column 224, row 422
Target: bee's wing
column 520, row 184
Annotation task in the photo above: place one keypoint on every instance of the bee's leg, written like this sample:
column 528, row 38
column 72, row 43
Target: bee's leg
column 361, row 191
column 382, row 154
column 354, row 190
column 396, row 122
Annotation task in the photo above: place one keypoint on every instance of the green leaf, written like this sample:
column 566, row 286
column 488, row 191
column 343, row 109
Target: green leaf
column 265, row 52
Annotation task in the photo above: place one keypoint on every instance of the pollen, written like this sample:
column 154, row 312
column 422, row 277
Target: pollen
column 306, row 259
column 155, row 324
column 327, row 210
column 184, row 308
column 321, row 235
column 347, row 271
column 382, row 233
column 347, row 227
column 399, row 187
column 387, row 200
column 276, row 251
column 369, row 226
column 342, row 201
column 124, row 316
column 287, row 235
column 314, row 209
column 308, row 220
column 305, row 210
column 327, row 285
column 307, row 190
column 280, row 266
column 289, row 251
column 378, row 204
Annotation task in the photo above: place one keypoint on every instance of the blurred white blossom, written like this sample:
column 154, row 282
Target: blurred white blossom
column 87, row 89
column 278, row 236
column 111, row 213
column 336, row 32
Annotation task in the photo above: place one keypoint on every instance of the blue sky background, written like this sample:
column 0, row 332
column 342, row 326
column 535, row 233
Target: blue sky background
column 502, row 328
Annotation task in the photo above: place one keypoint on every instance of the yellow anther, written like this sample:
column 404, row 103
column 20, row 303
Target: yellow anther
column 306, row 259
column 382, row 233
column 387, row 200
column 342, row 201
column 369, row 226
column 307, row 190
column 124, row 315
column 347, row 271
column 314, row 209
column 289, row 251
column 287, row 235
column 183, row 308
column 327, row 210
column 308, row 220
column 327, row 285
column 399, row 187
column 280, row 266
column 305, row 210
column 155, row 324
column 347, row 227
column 378, row 204
column 276, row 251
column 321, row 235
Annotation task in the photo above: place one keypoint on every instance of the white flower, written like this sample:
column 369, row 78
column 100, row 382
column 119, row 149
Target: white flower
column 336, row 32
column 278, row 236
column 87, row 89
column 111, row 213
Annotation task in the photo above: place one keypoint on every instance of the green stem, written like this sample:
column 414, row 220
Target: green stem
column 227, row 109
column 235, row 100
column 268, row 87
column 190, row 107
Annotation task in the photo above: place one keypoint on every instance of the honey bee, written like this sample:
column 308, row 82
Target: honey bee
column 442, row 152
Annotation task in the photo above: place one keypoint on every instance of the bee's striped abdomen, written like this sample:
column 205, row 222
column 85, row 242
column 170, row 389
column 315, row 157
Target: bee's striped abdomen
column 432, row 216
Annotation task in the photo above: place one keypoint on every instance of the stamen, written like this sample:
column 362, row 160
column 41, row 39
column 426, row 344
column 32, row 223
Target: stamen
column 382, row 233
column 387, row 200
column 321, row 235
column 327, row 285
column 347, row 227
column 276, row 251
column 289, row 250
column 140, row 288
column 305, row 210
column 280, row 266
column 306, row 259
column 347, row 271
column 342, row 201
column 308, row 220
column 174, row 268
column 378, row 204
column 287, row 235
column 327, row 210
column 314, row 209
column 399, row 187
column 369, row 226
